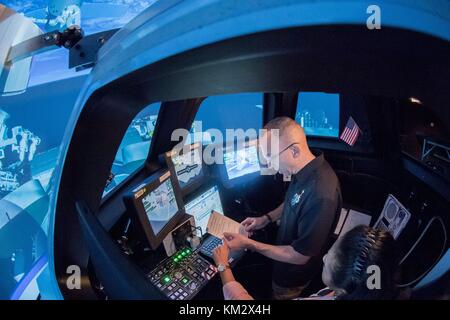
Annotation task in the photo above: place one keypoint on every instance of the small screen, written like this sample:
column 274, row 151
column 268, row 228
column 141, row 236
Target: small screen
column 188, row 166
column 160, row 205
column 202, row 206
column 241, row 162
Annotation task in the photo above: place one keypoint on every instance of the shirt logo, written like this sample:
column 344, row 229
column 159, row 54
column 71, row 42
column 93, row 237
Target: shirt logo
column 296, row 198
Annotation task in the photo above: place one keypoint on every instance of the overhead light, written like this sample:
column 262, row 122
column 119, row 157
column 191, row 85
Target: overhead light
column 415, row 100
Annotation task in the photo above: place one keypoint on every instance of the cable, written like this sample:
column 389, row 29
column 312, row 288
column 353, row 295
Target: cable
column 195, row 241
column 199, row 229
column 415, row 245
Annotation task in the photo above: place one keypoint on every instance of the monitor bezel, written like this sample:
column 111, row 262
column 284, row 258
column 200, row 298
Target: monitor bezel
column 134, row 202
column 197, row 182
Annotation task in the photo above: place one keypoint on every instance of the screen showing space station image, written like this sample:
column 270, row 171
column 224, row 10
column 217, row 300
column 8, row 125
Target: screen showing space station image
column 318, row 113
column 134, row 147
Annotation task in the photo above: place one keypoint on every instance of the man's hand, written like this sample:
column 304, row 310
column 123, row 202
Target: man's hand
column 236, row 241
column 252, row 224
column 221, row 254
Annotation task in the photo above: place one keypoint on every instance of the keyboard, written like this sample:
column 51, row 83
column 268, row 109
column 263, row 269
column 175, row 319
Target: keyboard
column 209, row 245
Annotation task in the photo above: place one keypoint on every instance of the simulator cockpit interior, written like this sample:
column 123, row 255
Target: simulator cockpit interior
column 162, row 166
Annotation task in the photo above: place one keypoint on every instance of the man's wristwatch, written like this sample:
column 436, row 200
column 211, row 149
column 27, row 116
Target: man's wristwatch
column 269, row 217
column 222, row 267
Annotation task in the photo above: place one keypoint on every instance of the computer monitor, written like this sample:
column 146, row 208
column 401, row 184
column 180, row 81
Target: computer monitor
column 158, row 206
column 187, row 165
column 202, row 205
column 241, row 160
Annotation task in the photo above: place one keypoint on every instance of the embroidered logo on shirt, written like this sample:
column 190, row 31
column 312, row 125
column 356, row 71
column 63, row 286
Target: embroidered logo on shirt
column 296, row 198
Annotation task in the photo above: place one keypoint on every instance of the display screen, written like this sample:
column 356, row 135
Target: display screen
column 241, row 162
column 160, row 205
column 202, row 206
column 318, row 113
column 188, row 166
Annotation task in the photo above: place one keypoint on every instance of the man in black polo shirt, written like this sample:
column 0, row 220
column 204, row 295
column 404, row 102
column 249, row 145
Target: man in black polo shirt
column 307, row 216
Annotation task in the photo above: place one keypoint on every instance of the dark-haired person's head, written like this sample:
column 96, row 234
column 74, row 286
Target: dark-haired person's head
column 362, row 265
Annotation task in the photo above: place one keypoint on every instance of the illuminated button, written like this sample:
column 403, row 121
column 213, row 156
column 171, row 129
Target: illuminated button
column 166, row 279
column 176, row 260
column 185, row 281
column 184, row 253
column 172, row 297
column 179, row 256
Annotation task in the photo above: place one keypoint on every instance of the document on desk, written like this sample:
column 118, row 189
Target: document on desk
column 218, row 224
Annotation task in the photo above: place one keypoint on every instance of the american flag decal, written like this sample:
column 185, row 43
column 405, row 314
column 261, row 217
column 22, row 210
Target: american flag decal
column 351, row 132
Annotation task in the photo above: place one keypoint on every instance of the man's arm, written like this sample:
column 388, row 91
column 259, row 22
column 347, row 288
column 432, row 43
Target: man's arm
column 285, row 254
column 256, row 223
column 276, row 213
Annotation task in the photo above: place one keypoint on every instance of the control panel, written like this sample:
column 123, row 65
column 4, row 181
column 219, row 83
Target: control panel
column 182, row 275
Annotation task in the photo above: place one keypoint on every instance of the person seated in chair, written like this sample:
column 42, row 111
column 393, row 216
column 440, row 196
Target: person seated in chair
column 361, row 265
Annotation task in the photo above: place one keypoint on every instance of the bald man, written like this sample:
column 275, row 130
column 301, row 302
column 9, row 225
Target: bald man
column 307, row 216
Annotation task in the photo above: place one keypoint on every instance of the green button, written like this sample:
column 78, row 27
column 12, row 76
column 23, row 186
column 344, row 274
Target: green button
column 166, row 279
column 176, row 259
column 185, row 280
column 183, row 253
column 179, row 256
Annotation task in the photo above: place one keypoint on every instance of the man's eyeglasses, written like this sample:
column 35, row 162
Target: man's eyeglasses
column 270, row 157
